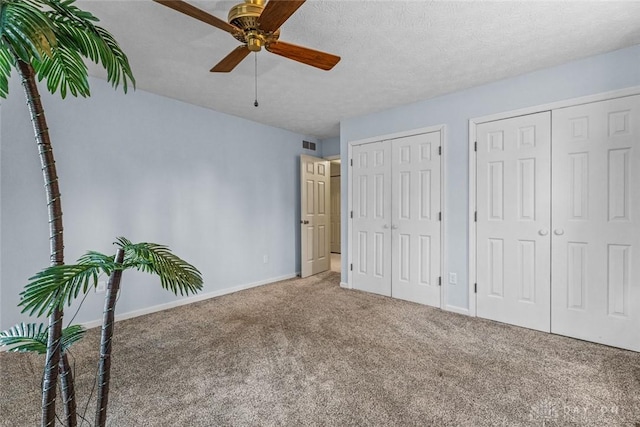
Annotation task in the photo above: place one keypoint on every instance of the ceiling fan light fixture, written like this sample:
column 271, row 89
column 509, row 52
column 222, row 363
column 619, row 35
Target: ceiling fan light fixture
column 254, row 42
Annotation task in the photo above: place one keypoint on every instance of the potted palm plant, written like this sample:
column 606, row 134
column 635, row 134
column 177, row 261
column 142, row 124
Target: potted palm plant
column 49, row 40
column 58, row 285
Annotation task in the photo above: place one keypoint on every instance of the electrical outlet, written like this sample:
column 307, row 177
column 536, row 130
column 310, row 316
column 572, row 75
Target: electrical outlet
column 101, row 286
column 265, row 259
column 453, row 278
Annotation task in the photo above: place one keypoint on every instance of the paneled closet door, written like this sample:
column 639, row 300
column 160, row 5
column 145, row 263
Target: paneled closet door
column 596, row 222
column 415, row 222
column 372, row 217
column 513, row 220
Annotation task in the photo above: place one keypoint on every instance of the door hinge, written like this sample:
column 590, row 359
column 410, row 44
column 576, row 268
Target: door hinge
column 440, row 281
column 475, row 146
column 351, row 214
column 439, row 216
column 351, row 162
column 475, row 288
column 351, row 267
column 475, row 216
column 440, row 150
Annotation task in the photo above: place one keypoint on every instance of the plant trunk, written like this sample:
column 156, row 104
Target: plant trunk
column 68, row 392
column 104, row 364
column 41, row 132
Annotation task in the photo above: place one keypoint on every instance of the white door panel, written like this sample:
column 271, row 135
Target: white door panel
column 513, row 220
column 415, row 218
column 315, row 215
column 372, row 218
column 596, row 222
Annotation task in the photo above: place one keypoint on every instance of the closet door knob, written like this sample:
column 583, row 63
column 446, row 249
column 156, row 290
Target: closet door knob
column 394, row 226
column 558, row 231
column 543, row 232
column 385, row 226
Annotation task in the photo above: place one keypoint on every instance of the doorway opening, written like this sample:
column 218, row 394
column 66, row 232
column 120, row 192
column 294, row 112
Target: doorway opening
column 335, row 243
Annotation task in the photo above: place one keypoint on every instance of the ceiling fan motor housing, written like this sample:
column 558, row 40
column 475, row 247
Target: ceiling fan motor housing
column 245, row 16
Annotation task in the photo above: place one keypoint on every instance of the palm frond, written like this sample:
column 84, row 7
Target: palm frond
column 63, row 69
column 175, row 274
column 93, row 257
column 55, row 36
column 25, row 337
column 6, row 62
column 26, row 29
column 32, row 337
column 54, row 285
column 76, row 27
column 71, row 335
column 116, row 62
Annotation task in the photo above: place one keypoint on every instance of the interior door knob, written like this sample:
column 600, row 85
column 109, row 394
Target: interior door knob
column 304, row 222
column 385, row 226
column 543, row 232
column 558, row 231
column 394, row 227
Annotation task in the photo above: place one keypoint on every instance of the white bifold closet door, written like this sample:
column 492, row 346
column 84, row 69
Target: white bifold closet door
column 558, row 221
column 396, row 218
column 513, row 220
column 372, row 217
column 596, row 222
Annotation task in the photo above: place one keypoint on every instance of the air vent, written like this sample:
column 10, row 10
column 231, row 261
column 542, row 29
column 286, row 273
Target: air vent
column 309, row 145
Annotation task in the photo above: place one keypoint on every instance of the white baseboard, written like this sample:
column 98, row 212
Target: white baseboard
column 188, row 300
column 458, row 310
column 345, row 285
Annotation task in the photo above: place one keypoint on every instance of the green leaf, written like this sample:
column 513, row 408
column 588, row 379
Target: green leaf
column 55, row 37
column 75, row 27
column 175, row 274
column 26, row 29
column 65, row 70
column 23, row 337
column 55, row 285
column 71, row 335
column 32, row 337
column 6, row 62
column 58, row 285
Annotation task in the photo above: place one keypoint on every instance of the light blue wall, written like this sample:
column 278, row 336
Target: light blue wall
column 220, row 191
column 610, row 71
column 330, row 147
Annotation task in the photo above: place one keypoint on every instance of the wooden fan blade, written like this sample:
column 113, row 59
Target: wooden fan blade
column 199, row 14
column 315, row 58
column 276, row 12
column 232, row 60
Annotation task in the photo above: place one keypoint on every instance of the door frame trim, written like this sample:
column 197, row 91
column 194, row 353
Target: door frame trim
column 443, row 138
column 474, row 122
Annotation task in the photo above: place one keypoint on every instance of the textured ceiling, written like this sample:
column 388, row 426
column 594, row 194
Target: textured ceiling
column 393, row 52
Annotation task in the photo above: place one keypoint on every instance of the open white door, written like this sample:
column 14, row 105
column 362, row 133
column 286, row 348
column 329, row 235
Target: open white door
column 513, row 221
column 596, row 222
column 314, row 215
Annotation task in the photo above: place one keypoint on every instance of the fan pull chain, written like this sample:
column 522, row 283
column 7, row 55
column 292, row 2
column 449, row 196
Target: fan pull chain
column 255, row 56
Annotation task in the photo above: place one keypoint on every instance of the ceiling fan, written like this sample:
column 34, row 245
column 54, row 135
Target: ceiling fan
column 257, row 26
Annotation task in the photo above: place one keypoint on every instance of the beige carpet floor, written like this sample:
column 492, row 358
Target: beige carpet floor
column 308, row 353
